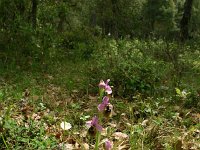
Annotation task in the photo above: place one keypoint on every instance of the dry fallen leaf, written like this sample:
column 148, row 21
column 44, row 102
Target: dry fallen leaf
column 35, row 97
column 35, row 117
column 178, row 144
column 86, row 146
column 92, row 97
column 65, row 125
column 63, row 146
column 145, row 122
column 123, row 145
column 120, row 135
column 113, row 125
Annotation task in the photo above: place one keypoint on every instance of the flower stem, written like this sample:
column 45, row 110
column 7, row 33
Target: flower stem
column 101, row 93
column 4, row 142
column 98, row 136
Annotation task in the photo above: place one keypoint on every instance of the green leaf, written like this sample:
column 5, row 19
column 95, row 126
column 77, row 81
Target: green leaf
column 178, row 91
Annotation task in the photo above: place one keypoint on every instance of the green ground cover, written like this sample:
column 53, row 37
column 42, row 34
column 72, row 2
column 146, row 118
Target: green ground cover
column 155, row 97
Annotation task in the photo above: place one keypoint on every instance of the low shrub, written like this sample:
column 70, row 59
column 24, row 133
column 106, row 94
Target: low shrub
column 129, row 67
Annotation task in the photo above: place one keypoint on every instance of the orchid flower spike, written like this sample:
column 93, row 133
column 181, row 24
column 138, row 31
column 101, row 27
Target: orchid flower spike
column 108, row 145
column 102, row 106
column 105, row 86
column 106, row 107
column 94, row 126
column 108, row 112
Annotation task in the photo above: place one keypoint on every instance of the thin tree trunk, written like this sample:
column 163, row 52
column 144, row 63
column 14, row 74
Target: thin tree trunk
column 62, row 20
column 21, row 7
column 115, row 11
column 184, row 24
column 93, row 19
column 34, row 13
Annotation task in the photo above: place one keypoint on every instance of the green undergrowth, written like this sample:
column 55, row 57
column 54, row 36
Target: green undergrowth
column 155, row 97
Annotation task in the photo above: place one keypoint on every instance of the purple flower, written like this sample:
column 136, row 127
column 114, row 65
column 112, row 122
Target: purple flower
column 108, row 145
column 94, row 124
column 105, row 86
column 102, row 106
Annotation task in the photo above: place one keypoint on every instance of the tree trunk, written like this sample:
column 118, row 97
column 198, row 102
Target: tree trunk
column 34, row 13
column 21, row 7
column 184, row 24
column 115, row 11
column 62, row 20
column 93, row 19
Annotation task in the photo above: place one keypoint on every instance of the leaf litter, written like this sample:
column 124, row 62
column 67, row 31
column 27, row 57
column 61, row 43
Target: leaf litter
column 156, row 131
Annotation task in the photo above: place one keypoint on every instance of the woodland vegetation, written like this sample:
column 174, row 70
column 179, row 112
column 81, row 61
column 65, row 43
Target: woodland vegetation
column 53, row 54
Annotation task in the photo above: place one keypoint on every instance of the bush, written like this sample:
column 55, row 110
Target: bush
column 77, row 45
column 128, row 66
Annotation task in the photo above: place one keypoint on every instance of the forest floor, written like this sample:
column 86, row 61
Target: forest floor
column 34, row 104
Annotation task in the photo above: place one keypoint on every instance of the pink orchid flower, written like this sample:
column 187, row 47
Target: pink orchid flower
column 102, row 106
column 105, row 86
column 108, row 145
column 94, row 123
